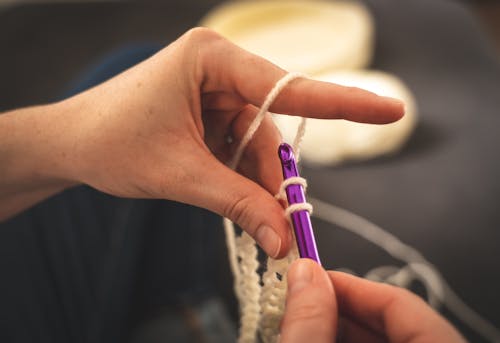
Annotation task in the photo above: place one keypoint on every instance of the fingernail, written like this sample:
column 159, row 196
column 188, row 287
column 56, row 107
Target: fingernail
column 394, row 100
column 397, row 103
column 268, row 240
column 300, row 275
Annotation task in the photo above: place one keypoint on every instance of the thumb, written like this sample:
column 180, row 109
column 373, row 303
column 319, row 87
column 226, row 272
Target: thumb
column 246, row 203
column 311, row 307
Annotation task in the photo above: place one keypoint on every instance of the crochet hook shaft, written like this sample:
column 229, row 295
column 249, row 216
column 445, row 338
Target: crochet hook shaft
column 295, row 194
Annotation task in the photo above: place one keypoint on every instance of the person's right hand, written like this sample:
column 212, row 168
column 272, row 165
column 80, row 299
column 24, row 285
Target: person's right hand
column 369, row 311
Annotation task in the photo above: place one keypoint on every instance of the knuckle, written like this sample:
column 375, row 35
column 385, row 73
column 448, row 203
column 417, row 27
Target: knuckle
column 307, row 313
column 200, row 35
column 200, row 47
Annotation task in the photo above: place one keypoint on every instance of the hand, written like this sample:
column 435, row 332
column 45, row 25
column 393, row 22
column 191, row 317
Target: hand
column 370, row 311
column 159, row 130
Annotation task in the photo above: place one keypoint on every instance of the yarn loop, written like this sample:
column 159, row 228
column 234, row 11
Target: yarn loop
column 262, row 307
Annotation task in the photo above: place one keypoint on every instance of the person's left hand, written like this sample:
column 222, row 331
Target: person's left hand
column 160, row 130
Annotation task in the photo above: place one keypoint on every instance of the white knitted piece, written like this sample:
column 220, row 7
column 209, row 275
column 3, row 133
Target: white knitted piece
column 272, row 299
column 274, row 279
column 249, row 286
column 261, row 307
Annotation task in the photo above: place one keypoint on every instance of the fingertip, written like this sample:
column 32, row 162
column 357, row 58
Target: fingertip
column 287, row 239
column 311, row 309
column 305, row 270
column 339, row 278
column 301, row 271
column 284, row 249
column 395, row 101
column 275, row 216
column 303, row 263
column 248, row 205
column 300, row 274
column 335, row 273
column 397, row 108
column 273, row 234
column 269, row 240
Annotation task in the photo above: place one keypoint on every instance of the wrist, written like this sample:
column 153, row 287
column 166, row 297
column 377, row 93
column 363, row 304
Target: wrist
column 31, row 167
column 56, row 162
column 33, row 150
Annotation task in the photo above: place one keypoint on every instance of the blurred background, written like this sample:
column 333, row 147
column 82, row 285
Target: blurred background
column 32, row 27
column 113, row 279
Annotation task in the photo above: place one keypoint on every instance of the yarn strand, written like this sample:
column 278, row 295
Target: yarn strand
column 261, row 308
column 273, row 94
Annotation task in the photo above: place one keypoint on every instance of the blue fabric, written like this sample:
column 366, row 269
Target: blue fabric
column 84, row 266
column 112, row 64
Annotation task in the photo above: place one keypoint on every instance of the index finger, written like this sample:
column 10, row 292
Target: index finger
column 392, row 311
column 229, row 68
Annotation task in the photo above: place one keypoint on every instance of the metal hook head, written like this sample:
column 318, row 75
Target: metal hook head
column 285, row 153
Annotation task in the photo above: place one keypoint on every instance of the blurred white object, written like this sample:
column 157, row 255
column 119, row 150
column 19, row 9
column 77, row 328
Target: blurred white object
column 320, row 38
column 328, row 142
column 309, row 36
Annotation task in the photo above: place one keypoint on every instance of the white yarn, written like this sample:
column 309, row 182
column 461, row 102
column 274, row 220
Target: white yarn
column 298, row 207
column 271, row 96
column 301, row 130
column 331, row 34
column 330, row 142
column 294, row 180
column 261, row 308
column 416, row 268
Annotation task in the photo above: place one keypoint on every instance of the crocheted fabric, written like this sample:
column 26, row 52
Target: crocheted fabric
column 261, row 297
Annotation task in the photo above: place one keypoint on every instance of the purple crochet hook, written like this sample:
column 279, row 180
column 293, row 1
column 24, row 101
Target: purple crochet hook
column 295, row 194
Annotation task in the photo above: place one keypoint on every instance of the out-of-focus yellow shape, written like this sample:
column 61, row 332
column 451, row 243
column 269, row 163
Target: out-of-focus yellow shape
column 328, row 40
column 310, row 36
column 328, row 142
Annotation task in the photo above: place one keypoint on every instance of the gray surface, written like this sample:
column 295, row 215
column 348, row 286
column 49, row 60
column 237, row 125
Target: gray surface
column 440, row 194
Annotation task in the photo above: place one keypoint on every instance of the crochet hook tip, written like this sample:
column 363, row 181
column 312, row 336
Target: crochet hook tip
column 295, row 194
column 285, row 153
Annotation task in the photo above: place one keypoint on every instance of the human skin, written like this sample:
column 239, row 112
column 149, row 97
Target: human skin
column 159, row 130
column 370, row 312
